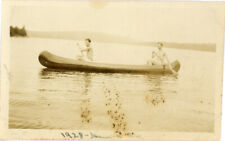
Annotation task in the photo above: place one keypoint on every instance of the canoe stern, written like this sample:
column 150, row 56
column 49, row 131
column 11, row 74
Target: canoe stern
column 176, row 65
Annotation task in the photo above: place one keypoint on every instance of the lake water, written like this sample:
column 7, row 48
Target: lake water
column 47, row 99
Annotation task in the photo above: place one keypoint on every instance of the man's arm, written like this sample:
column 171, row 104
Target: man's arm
column 157, row 56
column 86, row 49
column 81, row 48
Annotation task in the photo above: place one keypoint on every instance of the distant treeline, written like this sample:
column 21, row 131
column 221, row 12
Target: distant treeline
column 110, row 38
column 15, row 31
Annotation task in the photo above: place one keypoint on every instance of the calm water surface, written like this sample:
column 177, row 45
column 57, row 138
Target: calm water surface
column 50, row 99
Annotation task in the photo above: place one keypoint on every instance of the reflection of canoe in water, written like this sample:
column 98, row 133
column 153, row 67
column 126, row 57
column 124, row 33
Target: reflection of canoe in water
column 55, row 62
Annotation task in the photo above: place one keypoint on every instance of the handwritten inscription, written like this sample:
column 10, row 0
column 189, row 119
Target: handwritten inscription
column 80, row 135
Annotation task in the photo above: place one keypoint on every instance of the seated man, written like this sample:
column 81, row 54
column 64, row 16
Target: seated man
column 163, row 58
column 88, row 50
column 161, row 55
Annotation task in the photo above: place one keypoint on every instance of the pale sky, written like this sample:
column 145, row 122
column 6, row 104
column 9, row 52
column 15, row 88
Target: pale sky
column 172, row 22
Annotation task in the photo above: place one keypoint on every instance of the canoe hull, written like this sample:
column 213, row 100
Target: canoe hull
column 55, row 62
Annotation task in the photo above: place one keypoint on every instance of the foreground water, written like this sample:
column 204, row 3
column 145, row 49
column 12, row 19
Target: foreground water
column 48, row 99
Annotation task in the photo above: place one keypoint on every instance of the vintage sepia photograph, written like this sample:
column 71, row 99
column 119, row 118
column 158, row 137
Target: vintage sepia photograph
column 112, row 70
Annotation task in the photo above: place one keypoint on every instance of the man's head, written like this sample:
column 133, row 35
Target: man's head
column 160, row 45
column 87, row 41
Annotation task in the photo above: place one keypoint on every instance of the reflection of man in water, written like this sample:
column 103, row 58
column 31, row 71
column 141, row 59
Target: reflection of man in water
column 85, row 103
column 88, row 50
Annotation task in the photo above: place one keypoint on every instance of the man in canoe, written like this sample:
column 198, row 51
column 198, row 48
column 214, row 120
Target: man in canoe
column 88, row 50
column 161, row 58
column 154, row 60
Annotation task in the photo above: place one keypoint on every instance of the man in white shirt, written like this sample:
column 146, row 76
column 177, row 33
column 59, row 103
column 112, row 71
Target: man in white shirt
column 163, row 58
column 88, row 50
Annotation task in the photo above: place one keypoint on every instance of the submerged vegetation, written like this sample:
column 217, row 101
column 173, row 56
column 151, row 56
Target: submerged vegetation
column 15, row 31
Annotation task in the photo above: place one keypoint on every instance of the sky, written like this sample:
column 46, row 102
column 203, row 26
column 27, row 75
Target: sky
column 149, row 21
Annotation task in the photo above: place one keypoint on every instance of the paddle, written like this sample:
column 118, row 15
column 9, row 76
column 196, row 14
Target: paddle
column 170, row 67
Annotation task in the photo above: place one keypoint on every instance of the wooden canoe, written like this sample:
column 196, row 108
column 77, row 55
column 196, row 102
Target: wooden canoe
column 52, row 61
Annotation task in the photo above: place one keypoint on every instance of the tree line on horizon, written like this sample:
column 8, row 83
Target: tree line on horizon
column 16, row 31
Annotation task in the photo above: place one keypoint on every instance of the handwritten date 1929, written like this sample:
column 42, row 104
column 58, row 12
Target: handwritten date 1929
column 72, row 135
